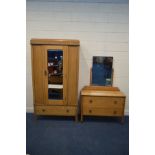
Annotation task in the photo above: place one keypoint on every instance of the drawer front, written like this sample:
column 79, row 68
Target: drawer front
column 55, row 110
column 103, row 102
column 102, row 112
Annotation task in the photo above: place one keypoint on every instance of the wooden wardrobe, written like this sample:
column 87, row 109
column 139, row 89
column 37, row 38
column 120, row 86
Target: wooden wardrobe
column 55, row 71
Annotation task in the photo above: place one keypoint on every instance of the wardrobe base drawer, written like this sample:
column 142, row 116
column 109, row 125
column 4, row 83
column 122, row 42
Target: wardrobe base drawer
column 55, row 110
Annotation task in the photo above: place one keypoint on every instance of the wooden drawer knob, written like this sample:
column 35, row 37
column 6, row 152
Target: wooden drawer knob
column 115, row 112
column 67, row 110
column 90, row 111
column 115, row 102
column 43, row 110
column 90, row 101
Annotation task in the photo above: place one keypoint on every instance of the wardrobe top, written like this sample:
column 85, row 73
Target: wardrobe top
column 54, row 42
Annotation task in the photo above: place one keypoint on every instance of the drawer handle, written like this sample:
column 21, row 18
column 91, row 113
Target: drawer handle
column 115, row 112
column 67, row 111
column 43, row 110
column 90, row 111
column 115, row 102
column 90, row 101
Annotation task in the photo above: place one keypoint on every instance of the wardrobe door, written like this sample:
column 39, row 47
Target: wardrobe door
column 37, row 74
column 73, row 74
column 55, row 74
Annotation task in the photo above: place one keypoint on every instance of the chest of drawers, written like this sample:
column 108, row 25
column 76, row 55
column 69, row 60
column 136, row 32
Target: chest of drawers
column 102, row 101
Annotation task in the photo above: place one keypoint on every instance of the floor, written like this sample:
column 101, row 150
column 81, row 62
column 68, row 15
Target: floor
column 63, row 136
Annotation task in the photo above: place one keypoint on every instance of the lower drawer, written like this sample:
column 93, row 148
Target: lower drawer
column 102, row 112
column 55, row 110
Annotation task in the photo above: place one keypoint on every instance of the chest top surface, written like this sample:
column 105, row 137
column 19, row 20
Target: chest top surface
column 102, row 91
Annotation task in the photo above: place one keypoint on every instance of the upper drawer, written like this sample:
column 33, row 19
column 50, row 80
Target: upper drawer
column 104, row 102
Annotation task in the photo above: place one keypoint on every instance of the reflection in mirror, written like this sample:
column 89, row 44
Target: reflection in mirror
column 102, row 71
column 55, row 74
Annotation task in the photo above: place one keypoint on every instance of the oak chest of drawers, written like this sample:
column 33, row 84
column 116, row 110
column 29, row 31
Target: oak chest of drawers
column 102, row 101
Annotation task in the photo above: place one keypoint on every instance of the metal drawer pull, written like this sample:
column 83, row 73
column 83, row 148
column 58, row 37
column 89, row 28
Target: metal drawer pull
column 90, row 111
column 90, row 101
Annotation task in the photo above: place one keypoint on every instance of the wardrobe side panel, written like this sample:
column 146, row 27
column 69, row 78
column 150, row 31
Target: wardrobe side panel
column 38, row 74
column 73, row 74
